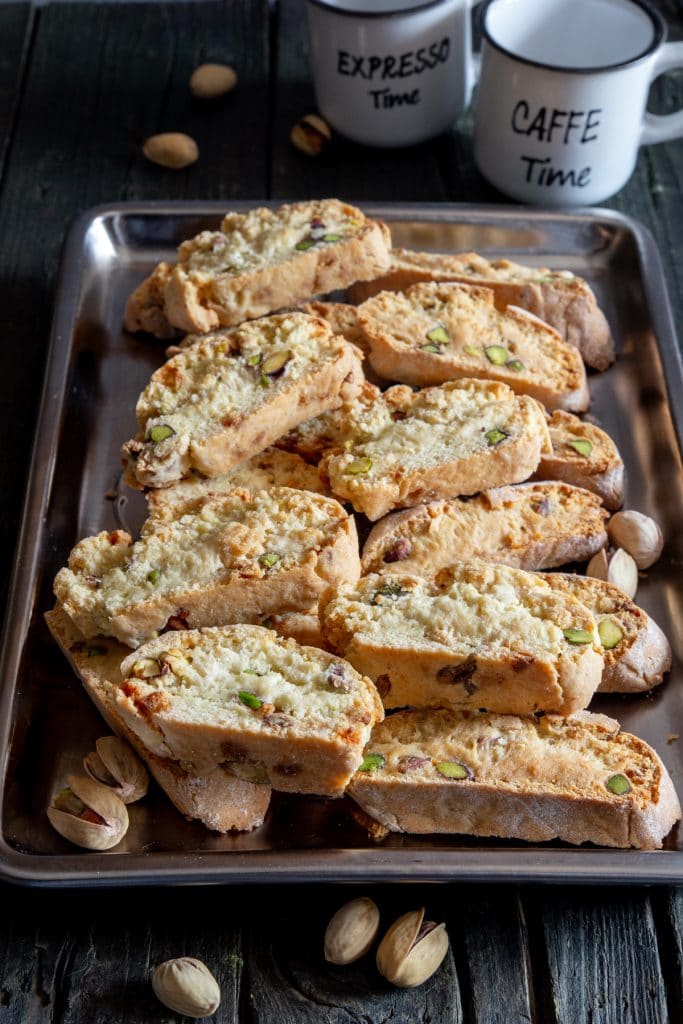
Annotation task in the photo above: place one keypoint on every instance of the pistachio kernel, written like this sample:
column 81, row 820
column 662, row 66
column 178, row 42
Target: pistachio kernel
column 495, row 436
column 160, row 432
column 454, row 770
column 359, row 466
column 268, row 559
column 153, row 576
column 250, row 700
column 431, row 347
column 389, row 590
column 574, row 635
column 618, row 784
column 472, row 350
column 276, row 362
column 581, row 446
column 372, row 763
column 496, row 354
column 331, row 237
column 304, row 244
column 439, row 335
column 515, row 364
column 145, row 668
column 254, row 360
column 610, row 634
column 264, row 381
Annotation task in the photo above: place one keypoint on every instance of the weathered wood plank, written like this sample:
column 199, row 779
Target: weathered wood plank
column 288, row 980
column 16, row 23
column 602, row 964
column 343, row 169
column 668, row 913
column 100, row 79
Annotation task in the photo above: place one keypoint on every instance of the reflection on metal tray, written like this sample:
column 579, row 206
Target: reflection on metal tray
column 94, row 374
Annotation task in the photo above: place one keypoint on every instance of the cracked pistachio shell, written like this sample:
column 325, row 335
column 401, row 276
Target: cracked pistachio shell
column 406, row 955
column 115, row 765
column 619, row 569
column 186, row 986
column 637, row 534
column 351, row 931
column 101, row 800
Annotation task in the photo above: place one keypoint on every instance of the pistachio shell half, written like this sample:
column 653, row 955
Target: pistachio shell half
column 412, row 950
column 351, row 931
column 186, row 986
column 113, row 764
column 88, row 814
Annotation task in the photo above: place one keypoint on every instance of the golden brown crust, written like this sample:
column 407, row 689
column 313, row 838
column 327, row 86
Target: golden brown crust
column 435, row 332
column 219, row 800
column 528, row 526
column 145, row 307
column 642, row 657
column 343, row 319
column 565, row 796
column 559, row 298
column 458, row 439
column 601, row 470
column 481, row 635
column 202, row 301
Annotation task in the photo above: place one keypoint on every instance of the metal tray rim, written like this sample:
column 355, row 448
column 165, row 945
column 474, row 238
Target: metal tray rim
column 559, row 866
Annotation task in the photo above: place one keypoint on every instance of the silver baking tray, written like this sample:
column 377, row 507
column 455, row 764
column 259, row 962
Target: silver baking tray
column 93, row 375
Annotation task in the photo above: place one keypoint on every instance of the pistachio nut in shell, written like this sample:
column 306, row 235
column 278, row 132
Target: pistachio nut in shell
column 114, row 764
column 310, row 135
column 88, row 814
column 412, row 950
column 211, row 80
column 351, row 931
column 186, row 986
column 616, row 567
column 638, row 534
column 171, row 149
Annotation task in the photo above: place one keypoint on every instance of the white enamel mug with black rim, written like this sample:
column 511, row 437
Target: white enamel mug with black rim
column 391, row 72
column 561, row 106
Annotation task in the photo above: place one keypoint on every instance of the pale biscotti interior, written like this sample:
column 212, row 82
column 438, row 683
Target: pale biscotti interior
column 276, row 713
column 230, row 395
column 579, row 779
column 218, row 799
column 480, row 635
column 460, row 438
column 559, row 297
column 242, row 434
column 238, row 555
column 433, row 332
column 528, row 526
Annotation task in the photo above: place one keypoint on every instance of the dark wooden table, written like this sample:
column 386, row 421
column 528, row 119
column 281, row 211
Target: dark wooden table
column 81, row 86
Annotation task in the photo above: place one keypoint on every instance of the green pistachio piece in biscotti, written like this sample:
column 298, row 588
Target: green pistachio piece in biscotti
column 454, row 770
column 331, row 237
column 160, row 432
column 618, row 784
column 496, row 354
column 577, row 636
column 268, row 559
column 372, row 763
column 250, row 700
column 254, row 360
column 390, row 591
column 610, row 634
column 153, row 576
column 472, row 350
column 515, row 364
column 495, row 436
column 359, row 466
column 431, row 347
column 581, row 446
column 439, row 335
column 304, row 244
column 276, row 362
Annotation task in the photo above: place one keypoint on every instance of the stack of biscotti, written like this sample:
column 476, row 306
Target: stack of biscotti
column 259, row 262
column 561, row 299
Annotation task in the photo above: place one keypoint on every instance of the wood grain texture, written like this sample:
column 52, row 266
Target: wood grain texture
column 16, row 22
column 595, row 956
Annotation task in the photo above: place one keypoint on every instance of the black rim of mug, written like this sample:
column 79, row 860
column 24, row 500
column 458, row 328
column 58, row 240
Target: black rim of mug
column 658, row 24
column 326, row 6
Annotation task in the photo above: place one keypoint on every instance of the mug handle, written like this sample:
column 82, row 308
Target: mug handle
column 658, row 128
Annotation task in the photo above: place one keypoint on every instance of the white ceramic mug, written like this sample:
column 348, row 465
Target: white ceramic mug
column 390, row 72
column 560, row 111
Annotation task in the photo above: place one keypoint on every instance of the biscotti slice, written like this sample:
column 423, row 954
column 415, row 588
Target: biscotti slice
column 457, row 439
column 481, row 635
column 265, row 259
column 343, row 319
column 292, row 717
column 529, row 526
column 433, row 332
column 636, row 652
column 236, row 558
column 583, row 455
column 226, row 398
column 145, row 307
column 312, row 439
column 579, row 779
column 558, row 297
column 217, row 798
column 270, row 468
